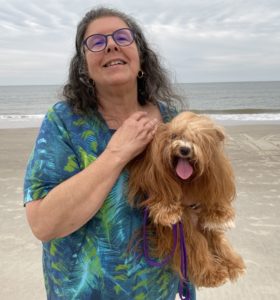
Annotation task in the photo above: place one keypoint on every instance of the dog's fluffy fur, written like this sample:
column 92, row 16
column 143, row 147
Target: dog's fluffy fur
column 211, row 187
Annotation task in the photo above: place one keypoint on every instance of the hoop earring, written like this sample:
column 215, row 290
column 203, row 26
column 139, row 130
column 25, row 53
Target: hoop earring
column 140, row 74
column 91, row 81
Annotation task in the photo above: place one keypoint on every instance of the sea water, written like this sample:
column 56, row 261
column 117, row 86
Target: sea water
column 25, row 106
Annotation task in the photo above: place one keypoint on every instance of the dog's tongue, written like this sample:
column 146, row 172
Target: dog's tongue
column 184, row 169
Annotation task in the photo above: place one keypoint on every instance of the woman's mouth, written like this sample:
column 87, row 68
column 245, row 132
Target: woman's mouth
column 114, row 63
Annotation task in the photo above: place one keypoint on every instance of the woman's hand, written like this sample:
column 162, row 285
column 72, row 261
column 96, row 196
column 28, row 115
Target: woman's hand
column 132, row 137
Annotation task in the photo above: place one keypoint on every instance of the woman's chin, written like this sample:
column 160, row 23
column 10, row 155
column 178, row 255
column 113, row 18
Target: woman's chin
column 118, row 81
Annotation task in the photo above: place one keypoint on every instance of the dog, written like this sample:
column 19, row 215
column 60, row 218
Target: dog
column 184, row 172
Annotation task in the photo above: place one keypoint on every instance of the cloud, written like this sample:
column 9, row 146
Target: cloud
column 197, row 40
column 222, row 39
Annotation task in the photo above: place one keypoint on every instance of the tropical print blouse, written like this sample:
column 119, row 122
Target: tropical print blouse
column 94, row 262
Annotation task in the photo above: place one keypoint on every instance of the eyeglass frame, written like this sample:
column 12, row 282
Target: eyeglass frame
column 106, row 39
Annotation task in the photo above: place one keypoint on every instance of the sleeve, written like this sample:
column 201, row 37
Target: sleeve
column 52, row 161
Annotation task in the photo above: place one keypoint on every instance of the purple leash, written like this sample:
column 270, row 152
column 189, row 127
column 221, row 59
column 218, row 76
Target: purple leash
column 183, row 251
column 184, row 264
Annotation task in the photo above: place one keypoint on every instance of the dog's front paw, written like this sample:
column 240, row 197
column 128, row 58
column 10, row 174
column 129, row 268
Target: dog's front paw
column 217, row 219
column 210, row 225
column 166, row 215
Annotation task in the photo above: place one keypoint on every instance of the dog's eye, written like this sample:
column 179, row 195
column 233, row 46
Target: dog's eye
column 173, row 136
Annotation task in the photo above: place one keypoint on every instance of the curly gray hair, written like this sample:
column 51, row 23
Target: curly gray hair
column 155, row 85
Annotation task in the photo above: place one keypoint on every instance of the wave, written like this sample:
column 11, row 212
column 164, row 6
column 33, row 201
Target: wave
column 21, row 117
column 20, row 121
column 275, row 117
column 235, row 116
column 248, row 111
column 230, row 112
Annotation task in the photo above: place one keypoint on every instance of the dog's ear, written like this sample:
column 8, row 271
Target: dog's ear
column 220, row 133
column 161, row 133
column 162, row 128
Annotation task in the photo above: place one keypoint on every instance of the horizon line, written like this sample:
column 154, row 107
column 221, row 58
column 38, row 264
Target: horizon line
column 192, row 82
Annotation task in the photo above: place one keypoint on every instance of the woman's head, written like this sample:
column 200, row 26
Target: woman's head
column 80, row 90
column 112, row 56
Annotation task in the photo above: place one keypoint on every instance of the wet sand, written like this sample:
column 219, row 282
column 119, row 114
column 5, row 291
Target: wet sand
column 255, row 154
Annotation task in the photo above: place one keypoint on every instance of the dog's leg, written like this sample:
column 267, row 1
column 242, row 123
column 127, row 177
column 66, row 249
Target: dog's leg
column 204, row 269
column 217, row 217
column 165, row 214
column 222, row 249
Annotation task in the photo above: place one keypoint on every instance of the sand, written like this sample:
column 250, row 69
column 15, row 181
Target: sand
column 255, row 154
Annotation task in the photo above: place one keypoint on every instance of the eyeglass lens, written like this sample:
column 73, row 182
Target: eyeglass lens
column 98, row 42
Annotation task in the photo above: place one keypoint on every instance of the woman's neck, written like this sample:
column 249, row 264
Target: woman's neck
column 117, row 105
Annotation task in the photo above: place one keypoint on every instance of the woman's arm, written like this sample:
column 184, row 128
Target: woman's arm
column 75, row 201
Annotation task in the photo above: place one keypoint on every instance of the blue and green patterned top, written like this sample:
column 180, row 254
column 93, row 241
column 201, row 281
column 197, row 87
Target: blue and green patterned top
column 93, row 262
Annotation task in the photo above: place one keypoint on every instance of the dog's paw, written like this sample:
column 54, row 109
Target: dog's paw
column 217, row 219
column 236, row 272
column 166, row 215
column 218, row 226
column 214, row 277
column 236, row 268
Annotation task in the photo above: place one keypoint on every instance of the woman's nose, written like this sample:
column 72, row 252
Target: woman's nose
column 111, row 45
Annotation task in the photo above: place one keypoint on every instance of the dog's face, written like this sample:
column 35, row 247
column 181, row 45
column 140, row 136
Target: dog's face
column 189, row 144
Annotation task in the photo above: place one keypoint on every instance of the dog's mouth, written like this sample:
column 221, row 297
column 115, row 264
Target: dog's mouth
column 183, row 167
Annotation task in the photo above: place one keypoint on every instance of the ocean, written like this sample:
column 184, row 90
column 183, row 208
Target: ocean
column 25, row 106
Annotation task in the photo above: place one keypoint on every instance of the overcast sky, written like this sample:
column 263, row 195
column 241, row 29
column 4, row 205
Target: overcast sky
column 198, row 41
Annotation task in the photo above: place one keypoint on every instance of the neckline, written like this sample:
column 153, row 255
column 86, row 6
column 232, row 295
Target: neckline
column 162, row 108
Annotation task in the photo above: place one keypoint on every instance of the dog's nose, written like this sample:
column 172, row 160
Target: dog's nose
column 184, row 151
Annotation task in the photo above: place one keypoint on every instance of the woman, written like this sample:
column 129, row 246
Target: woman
column 77, row 171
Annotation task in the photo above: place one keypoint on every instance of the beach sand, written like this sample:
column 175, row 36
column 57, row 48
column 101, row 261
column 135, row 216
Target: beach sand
column 255, row 154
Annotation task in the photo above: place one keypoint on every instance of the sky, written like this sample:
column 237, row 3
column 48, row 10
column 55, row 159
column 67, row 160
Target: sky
column 196, row 40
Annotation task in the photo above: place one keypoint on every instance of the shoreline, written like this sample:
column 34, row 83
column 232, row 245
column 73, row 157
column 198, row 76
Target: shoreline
column 223, row 120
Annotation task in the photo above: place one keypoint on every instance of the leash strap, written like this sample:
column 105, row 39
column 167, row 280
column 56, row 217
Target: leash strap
column 184, row 266
column 183, row 253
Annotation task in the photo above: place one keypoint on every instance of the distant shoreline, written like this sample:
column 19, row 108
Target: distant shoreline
column 237, row 111
column 34, row 121
column 175, row 83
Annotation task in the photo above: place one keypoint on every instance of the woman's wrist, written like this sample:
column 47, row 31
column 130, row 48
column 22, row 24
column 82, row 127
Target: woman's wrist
column 117, row 159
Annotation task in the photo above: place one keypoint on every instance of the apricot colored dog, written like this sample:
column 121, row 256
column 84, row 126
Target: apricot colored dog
column 185, row 170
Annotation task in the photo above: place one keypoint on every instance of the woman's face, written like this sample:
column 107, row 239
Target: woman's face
column 101, row 66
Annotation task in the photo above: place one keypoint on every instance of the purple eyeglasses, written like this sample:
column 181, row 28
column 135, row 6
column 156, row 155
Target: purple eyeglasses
column 98, row 42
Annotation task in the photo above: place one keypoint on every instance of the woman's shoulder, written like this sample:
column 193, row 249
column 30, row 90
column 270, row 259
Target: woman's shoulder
column 61, row 117
column 161, row 111
column 60, row 107
column 167, row 112
column 62, row 112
